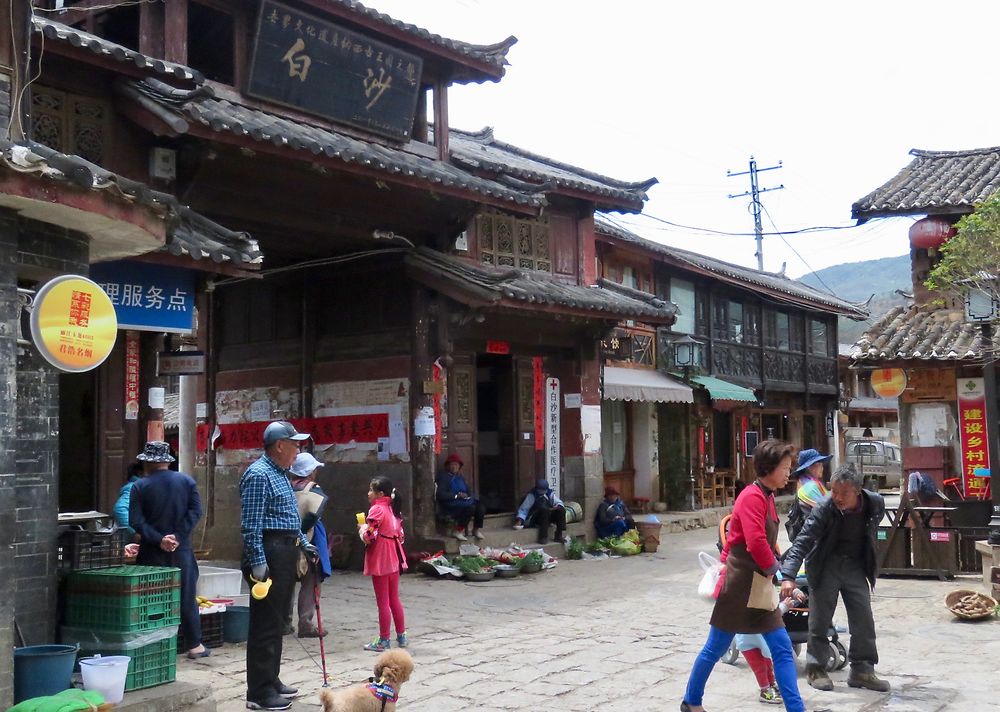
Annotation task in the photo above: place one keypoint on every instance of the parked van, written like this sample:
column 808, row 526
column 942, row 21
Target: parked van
column 879, row 461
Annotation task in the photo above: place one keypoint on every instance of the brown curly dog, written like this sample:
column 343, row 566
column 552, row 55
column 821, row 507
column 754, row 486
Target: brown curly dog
column 392, row 669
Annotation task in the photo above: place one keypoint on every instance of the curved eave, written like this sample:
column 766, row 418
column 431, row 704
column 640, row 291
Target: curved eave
column 117, row 227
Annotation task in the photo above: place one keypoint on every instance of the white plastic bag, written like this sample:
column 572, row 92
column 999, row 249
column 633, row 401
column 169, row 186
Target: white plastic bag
column 712, row 568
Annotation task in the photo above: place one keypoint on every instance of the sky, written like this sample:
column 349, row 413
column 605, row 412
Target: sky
column 685, row 91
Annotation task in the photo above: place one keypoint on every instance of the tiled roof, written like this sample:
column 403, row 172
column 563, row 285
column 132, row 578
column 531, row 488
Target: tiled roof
column 188, row 233
column 524, row 288
column 494, row 55
column 221, row 116
column 480, row 151
column 920, row 334
column 778, row 285
column 935, row 182
column 56, row 31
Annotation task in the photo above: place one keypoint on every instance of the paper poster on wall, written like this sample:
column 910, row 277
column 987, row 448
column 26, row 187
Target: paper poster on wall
column 590, row 427
column 260, row 410
column 573, row 400
column 423, row 424
column 397, row 437
column 383, row 449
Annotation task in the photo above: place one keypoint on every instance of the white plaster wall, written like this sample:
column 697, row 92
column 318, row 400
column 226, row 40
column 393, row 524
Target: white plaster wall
column 645, row 451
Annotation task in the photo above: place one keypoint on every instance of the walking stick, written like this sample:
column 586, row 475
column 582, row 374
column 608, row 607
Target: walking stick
column 319, row 621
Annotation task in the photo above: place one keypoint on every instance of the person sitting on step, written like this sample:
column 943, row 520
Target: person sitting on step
column 457, row 501
column 540, row 508
column 612, row 517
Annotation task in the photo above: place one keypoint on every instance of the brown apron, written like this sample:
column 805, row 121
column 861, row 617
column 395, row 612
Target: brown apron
column 731, row 613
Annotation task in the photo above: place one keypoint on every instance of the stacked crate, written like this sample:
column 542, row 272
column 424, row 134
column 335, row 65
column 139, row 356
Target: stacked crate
column 127, row 610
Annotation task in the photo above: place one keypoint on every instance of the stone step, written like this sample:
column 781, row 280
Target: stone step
column 500, row 537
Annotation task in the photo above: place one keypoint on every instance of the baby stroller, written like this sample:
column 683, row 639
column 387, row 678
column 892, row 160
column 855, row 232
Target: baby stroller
column 796, row 622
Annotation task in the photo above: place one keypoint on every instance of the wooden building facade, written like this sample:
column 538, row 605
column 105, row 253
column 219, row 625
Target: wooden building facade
column 769, row 366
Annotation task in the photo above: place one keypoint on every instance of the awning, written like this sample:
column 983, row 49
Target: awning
column 634, row 384
column 721, row 390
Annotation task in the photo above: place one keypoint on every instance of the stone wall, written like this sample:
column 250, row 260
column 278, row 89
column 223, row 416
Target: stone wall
column 8, row 431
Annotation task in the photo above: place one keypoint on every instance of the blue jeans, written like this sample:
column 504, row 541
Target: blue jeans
column 781, row 655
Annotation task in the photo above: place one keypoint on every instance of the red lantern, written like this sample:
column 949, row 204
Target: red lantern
column 930, row 233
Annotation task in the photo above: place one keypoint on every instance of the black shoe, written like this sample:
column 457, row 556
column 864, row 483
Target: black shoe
column 543, row 540
column 284, row 690
column 271, row 702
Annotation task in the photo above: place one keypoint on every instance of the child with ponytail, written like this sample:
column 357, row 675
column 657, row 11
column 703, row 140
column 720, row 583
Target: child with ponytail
column 382, row 533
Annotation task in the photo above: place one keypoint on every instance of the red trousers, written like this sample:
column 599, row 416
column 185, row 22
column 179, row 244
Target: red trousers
column 763, row 668
column 390, row 608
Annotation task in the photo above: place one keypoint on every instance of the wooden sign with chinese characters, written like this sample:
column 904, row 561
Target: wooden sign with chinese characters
column 314, row 65
column 972, row 430
column 929, row 384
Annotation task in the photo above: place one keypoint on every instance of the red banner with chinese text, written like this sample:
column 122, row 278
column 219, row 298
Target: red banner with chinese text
column 438, row 374
column 132, row 375
column 331, row 430
column 972, row 430
column 538, row 379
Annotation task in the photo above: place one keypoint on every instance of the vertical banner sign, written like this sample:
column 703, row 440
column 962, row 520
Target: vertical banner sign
column 131, row 375
column 539, row 387
column 972, row 428
column 438, row 376
column 552, row 433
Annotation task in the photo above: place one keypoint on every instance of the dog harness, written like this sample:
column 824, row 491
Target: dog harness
column 382, row 690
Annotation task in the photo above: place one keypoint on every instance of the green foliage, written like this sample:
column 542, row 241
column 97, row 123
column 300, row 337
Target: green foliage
column 472, row 564
column 575, row 549
column 532, row 558
column 971, row 258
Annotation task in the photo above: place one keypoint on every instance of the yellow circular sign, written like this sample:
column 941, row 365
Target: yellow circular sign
column 73, row 323
column 889, row 382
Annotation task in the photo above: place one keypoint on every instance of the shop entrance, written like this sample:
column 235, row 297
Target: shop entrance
column 77, row 462
column 495, row 431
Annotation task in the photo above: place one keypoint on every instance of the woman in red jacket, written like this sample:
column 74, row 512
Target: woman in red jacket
column 749, row 566
column 382, row 533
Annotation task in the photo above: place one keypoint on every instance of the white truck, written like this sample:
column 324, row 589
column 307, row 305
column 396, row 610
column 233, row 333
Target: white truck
column 880, row 462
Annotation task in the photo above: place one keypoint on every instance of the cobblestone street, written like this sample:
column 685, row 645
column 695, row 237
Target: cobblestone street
column 617, row 634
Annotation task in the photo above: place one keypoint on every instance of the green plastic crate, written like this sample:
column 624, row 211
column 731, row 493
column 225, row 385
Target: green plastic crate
column 125, row 580
column 124, row 598
column 152, row 663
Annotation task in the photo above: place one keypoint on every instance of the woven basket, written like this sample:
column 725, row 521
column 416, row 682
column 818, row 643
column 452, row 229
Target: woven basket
column 952, row 599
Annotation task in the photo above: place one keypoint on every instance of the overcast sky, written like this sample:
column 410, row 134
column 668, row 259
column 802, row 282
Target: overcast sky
column 685, row 91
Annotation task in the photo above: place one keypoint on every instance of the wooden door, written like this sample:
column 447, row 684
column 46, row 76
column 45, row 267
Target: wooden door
column 117, row 438
column 528, row 458
column 462, row 415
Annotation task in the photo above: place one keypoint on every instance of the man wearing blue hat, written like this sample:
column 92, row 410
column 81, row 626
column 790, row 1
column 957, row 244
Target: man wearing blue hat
column 809, row 489
column 272, row 534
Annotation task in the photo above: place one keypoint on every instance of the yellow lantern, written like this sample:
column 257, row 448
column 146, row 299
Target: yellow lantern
column 889, row 382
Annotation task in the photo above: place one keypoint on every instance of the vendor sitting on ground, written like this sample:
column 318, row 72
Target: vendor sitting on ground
column 540, row 508
column 612, row 517
column 456, row 500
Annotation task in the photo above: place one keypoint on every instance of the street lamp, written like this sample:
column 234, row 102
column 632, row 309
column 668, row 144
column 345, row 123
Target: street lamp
column 688, row 353
column 981, row 308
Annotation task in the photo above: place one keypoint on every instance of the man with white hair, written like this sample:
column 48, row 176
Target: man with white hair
column 838, row 546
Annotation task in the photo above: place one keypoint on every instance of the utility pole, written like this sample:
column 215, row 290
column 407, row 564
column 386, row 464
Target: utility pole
column 755, row 205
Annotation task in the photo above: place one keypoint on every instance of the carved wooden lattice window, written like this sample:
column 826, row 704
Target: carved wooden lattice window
column 506, row 241
column 69, row 123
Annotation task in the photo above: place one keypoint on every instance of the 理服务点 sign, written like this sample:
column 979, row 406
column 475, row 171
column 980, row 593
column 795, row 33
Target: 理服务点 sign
column 317, row 66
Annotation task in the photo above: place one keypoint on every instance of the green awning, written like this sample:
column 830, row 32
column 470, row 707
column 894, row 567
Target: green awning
column 721, row 390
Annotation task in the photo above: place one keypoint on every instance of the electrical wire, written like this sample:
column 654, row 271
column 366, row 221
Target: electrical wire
column 94, row 8
column 803, row 259
column 350, row 257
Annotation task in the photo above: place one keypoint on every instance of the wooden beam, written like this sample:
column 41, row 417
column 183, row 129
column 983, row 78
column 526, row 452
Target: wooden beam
column 441, row 120
column 175, row 37
column 151, row 29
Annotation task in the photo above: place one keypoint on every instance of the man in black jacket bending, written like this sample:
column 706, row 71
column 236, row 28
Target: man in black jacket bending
column 837, row 543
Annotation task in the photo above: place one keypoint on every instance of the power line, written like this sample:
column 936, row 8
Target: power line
column 808, row 266
column 728, row 233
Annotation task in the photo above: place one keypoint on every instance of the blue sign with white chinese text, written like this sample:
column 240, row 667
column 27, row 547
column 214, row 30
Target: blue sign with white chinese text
column 148, row 297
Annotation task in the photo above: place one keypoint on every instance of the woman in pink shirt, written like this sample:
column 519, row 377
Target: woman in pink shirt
column 382, row 534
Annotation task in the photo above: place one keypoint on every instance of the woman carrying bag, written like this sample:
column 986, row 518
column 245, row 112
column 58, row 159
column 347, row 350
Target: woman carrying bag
column 746, row 599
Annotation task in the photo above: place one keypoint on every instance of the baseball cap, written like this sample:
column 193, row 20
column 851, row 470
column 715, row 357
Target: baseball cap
column 304, row 464
column 282, row 430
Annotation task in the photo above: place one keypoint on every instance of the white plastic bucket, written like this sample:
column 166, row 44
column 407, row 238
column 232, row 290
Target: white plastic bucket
column 106, row 675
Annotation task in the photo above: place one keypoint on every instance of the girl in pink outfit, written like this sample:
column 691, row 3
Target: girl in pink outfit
column 382, row 534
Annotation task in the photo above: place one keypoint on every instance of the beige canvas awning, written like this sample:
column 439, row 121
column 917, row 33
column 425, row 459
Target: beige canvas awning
column 634, row 384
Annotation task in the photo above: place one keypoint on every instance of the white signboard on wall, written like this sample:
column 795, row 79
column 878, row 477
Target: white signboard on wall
column 552, row 433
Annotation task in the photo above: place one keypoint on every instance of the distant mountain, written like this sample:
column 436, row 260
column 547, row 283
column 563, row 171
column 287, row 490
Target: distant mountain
column 857, row 281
